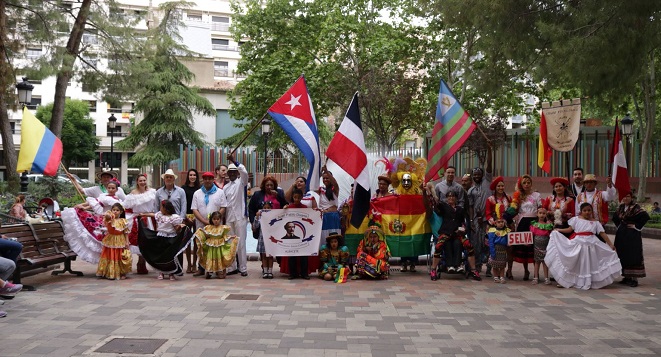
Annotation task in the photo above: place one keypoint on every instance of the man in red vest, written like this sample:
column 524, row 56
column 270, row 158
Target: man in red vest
column 598, row 199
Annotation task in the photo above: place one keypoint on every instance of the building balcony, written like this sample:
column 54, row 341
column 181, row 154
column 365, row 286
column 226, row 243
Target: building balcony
column 220, row 26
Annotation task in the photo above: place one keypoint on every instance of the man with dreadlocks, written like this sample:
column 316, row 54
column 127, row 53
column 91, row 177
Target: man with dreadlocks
column 477, row 198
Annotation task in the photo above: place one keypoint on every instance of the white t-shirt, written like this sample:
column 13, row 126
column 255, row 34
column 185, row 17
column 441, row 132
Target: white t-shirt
column 216, row 201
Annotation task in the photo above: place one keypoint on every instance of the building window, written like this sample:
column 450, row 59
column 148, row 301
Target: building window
column 92, row 104
column 220, row 44
column 13, row 127
column 220, row 69
column 35, row 103
column 194, row 17
column 90, row 37
column 220, row 23
column 33, row 53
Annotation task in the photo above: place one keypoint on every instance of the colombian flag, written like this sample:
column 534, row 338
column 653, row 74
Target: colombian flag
column 41, row 150
column 403, row 220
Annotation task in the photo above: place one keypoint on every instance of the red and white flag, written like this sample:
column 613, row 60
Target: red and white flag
column 620, row 175
column 347, row 150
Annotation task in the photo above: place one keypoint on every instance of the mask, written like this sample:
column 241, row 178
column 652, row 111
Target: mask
column 407, row 181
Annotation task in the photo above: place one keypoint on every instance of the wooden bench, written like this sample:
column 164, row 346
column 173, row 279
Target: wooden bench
column 43, row 246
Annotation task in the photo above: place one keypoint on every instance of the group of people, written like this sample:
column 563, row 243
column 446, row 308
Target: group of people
column 569, row 242
column 158, row 224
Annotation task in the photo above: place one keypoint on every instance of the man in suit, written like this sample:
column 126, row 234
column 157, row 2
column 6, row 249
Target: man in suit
column 289, row 227
column 577, row 186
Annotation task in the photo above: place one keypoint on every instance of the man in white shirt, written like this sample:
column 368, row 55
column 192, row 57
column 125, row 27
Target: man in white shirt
column 104, row 177
column 236, row 218
column 209, row 198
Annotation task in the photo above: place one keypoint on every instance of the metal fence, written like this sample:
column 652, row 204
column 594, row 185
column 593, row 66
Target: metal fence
column 515, row 157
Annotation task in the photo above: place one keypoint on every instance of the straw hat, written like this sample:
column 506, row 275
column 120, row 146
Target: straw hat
column 169, row 172
column 112, row 174
column 590, row 178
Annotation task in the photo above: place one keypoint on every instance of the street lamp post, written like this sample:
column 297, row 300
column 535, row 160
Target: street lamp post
column 24, row 91
column 266, row 130
column 112, row 123
column 626, row 128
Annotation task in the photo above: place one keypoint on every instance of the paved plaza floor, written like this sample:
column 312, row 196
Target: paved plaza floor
column 408, row 315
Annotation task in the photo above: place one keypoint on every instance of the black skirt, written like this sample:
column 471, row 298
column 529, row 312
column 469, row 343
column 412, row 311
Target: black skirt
column 163, row 253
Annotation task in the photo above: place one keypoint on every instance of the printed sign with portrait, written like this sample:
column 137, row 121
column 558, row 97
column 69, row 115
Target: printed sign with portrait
column 291, row 232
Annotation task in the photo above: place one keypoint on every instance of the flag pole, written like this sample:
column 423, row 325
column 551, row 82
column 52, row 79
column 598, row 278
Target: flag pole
column 75, row 184
column 248, row 134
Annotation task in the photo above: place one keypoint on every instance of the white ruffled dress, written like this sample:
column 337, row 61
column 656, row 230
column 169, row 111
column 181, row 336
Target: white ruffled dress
column 582, row 262
column 136, row 204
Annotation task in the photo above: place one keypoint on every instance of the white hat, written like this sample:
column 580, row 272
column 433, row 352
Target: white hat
column 169, row 172
column 231, row 167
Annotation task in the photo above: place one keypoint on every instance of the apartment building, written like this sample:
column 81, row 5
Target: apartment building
column 207, row 33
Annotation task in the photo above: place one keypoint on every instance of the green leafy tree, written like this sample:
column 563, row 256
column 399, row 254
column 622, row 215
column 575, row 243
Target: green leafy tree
column 62, row 26
column 168, row 103
column 78, row 131
column 608, row 50
column 342, row 47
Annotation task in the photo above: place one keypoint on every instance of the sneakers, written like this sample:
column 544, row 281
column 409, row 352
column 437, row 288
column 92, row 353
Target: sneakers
column 433, row 275
column 11, row 288
column 535, row 281
column 503, row 280
column 451, row 269
column 475, row 275
column 461, row 269
column 547, row 281
column 496, row 280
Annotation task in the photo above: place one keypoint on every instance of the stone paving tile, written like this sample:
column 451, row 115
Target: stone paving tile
column 409, row 315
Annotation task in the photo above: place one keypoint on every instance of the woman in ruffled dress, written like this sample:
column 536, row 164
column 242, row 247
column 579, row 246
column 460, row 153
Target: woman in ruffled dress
column 523, row 207
column 630, row 219
column 84, row 230
column 141, row 200
column 582, row 260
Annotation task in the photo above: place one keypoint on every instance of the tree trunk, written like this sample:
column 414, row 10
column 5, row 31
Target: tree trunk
column 66, row 70
column 649, row 95
column 7, row 80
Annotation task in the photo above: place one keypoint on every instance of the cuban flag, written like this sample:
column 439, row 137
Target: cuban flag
column 295, row 115
column 347, row 150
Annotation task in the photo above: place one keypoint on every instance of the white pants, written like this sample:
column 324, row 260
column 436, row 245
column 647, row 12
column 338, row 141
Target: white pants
column 240, row 229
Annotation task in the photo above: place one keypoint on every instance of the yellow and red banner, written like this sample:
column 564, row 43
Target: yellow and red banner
column 404, row 221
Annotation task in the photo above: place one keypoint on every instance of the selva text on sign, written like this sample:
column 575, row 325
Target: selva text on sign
column 519, row 238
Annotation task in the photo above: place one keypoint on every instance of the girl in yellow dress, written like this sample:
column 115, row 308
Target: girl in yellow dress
column 115, row 261
column 216, row 249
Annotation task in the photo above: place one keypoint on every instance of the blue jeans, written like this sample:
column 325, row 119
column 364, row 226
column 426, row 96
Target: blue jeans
column 10, row 249
column 7, row 268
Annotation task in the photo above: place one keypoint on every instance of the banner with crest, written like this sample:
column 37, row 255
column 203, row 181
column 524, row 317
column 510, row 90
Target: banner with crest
column 563, row 122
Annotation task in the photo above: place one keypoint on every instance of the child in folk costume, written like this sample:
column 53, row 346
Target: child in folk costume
column 583, row 261
column 217, row 249
column 168, row 223
column 373, row 254
column 541, row 229
column 267, row 260
column 115, row 261
column 333, row 257
column 497, row 236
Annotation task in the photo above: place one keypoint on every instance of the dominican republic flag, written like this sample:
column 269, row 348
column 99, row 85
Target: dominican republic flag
column 347, row 150
column 620, row 175
column 295, row 115
column 452, row 128
column 544, row 151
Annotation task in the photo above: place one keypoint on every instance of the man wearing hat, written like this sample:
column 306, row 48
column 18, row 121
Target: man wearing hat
column 237, row 215
column 171, row 192
column 598, row 199
column 103, row 177
column 384, row 185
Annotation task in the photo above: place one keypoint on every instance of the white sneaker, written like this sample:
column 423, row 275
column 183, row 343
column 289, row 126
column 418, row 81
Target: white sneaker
column 451, row 269
column 461, row 269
